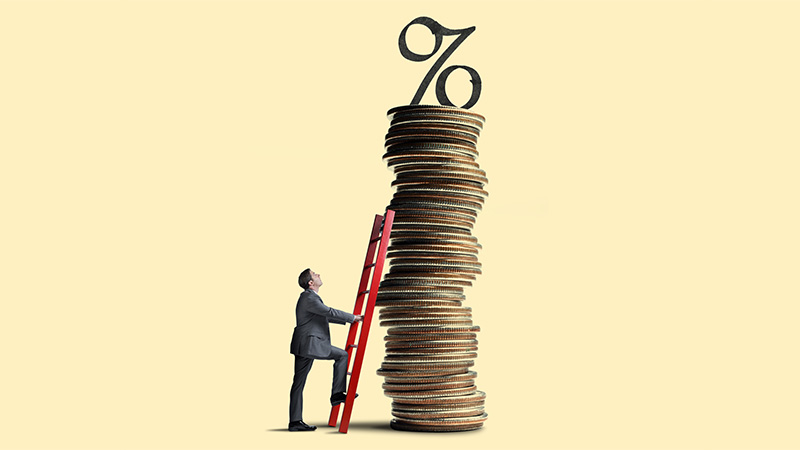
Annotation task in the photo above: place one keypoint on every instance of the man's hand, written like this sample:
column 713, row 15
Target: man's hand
column 358, row 319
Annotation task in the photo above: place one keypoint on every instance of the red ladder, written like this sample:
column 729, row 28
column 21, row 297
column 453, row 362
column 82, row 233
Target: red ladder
column 379, row 240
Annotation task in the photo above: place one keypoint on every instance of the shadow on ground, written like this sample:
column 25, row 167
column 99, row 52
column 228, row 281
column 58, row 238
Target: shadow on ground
column 361, row 425
column 375, row 425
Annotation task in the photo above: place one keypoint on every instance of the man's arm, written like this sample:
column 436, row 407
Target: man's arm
column 314, row 305
column 358, row 318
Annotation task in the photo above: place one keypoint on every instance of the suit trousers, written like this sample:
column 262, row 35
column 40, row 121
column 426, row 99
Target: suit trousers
column 302, row 366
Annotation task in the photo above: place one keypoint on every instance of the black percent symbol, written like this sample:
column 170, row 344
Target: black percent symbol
column 438, row 32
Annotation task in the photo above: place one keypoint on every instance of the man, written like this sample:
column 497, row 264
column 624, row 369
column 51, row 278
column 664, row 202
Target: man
column 312, row 340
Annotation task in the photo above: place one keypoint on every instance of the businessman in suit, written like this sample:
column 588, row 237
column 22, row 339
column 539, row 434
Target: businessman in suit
column 312, row 340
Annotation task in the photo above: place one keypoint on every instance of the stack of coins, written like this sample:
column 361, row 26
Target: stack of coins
column 431, row 341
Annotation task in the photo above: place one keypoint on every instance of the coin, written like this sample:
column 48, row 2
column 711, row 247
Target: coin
column 456, row 401
column 422, row 110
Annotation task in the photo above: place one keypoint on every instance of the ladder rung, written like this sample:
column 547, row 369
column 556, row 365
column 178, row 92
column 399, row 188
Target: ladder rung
column 349, row 373
column 352, row 346
column 375, row 240
column 364, row 292
column 369, row 266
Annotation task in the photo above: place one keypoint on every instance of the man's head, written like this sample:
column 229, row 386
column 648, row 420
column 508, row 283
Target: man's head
column 309, row 279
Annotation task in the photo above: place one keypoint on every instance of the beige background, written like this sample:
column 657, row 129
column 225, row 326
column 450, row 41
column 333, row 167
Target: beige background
column 168, row 168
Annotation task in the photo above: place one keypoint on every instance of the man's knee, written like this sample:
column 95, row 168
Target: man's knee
column 338, row 354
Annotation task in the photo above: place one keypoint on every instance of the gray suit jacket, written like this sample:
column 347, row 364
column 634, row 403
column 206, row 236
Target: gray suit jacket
column 312, row 337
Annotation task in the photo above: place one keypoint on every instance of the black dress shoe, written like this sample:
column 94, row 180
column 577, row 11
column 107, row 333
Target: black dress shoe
column 301, row 426
column 339, row 397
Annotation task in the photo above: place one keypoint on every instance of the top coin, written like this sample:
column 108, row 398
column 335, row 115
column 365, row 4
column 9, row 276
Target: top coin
column 435, row 109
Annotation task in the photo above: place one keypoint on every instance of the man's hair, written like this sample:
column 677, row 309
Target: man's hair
column 304, row 278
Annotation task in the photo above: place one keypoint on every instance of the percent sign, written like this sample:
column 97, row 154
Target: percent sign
column 438, row 32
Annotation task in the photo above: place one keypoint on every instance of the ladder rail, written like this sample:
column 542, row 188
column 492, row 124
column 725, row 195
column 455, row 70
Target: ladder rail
column 362, row 342
column 371, row 248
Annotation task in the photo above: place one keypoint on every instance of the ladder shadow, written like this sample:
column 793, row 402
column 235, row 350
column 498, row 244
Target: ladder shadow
column 367, row 425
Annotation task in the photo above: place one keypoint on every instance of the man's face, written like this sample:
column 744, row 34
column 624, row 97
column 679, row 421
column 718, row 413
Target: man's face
column 316, row 279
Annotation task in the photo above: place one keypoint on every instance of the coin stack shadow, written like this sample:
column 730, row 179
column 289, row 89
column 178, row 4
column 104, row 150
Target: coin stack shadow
column 431, row 341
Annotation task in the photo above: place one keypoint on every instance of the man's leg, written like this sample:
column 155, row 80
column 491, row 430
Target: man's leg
column 339, row 358
column 301, row 368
